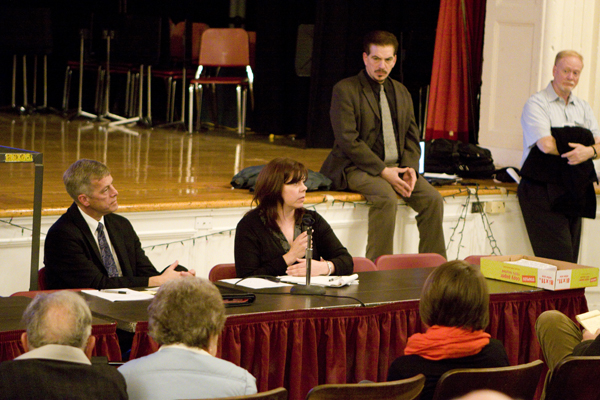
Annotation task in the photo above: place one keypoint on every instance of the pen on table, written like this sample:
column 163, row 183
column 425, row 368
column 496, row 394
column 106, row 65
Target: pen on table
column 114, row 291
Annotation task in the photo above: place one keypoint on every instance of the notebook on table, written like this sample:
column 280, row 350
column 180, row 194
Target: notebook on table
column 233, row 297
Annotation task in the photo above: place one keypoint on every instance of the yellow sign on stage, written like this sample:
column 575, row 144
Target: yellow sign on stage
column 19, row 157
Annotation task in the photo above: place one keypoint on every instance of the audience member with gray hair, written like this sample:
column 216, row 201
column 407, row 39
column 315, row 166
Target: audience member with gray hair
column 58, row 345
column 186, row 318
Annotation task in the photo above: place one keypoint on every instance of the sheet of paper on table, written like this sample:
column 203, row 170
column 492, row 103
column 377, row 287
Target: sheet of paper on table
column 533, row 264
column 255, row 283
column 327, row 281
column 119, row 294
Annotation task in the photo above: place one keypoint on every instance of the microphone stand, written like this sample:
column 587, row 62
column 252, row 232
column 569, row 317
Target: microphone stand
column 308, row 288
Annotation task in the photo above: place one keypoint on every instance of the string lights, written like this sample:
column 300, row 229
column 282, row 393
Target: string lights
column 462, row 222
column 457, row 230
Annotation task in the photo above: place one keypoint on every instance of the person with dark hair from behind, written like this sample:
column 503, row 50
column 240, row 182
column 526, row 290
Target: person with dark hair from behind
column 91, row 247
column 376, row 150
column 271, row 239
column 186, row 318
column 560, row 337
column 58, row 345
column 455, row 307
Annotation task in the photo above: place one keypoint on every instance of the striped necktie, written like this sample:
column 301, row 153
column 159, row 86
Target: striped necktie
column 389, row 138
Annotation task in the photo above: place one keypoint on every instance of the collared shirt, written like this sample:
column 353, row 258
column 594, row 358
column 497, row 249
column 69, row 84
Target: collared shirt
column 185, row 347
column 93, row 224
column 546, row 109
column 57, row 352
column 378, row 146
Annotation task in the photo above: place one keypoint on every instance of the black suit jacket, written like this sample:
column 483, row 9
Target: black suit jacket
column 51, row 379
column 356, row 123
column 73, row 260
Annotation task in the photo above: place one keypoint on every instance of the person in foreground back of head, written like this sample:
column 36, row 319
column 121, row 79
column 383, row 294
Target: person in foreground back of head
column 455, row 307
column 272, row 238
column 484, row 395
column 58, row 345
column 186, row 318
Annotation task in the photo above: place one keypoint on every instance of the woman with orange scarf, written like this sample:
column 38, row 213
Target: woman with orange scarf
column 455, row 306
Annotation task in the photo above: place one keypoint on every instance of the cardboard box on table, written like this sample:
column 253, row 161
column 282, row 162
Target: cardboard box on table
column 567, row 276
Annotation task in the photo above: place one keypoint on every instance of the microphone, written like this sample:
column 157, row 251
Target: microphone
column 308, row 221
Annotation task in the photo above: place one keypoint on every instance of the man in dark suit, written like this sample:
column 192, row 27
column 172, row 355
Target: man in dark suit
column 376, row 150
column 58, row 345
column 89, row 246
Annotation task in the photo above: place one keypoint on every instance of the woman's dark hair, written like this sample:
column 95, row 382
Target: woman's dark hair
column 455, row 295
column 269, row 185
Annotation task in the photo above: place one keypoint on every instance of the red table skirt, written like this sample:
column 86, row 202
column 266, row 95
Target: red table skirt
column 300, row 349
column 107, row 343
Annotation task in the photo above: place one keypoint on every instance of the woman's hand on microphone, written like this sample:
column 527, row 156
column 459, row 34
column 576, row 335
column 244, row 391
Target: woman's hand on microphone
column 297, row 249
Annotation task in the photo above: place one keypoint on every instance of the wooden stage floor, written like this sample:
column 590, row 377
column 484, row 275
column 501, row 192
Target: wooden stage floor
column 153, row 169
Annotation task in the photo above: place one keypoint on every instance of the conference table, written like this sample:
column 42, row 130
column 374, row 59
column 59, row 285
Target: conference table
column 12, row 327
column 352, row 333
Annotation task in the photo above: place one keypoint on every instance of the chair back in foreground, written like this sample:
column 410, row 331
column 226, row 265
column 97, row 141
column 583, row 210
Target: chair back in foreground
column 222, row 271
column 518, row 382
column 274, row 394
column 363, row 264
column 575, row 378
column 405, row 389
column 405, row 261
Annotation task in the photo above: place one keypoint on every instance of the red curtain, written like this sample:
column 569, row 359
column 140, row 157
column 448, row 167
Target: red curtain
column 142, row 344
column 453, row 111
column 107, row 343
column 10, row 345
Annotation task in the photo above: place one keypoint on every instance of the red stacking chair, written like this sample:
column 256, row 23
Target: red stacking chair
column 222, row 271
column 476, row 260
column 404, row 261
column 219, row 48
column 362, row 264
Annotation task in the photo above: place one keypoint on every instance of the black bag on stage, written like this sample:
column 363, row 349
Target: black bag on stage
column 246, row 179
column 454, row 157
column 474, row 162
column 441, row 156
